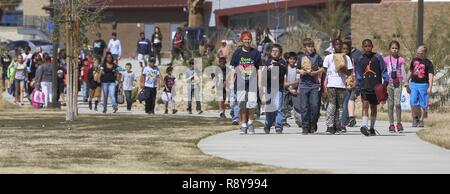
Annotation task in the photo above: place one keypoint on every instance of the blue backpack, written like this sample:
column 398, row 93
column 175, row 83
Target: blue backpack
column 141, row 96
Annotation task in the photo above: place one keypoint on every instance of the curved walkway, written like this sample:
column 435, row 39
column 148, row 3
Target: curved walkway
column 346, row 153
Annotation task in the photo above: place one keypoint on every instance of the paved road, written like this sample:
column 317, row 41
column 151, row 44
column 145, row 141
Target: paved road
column 347, row 153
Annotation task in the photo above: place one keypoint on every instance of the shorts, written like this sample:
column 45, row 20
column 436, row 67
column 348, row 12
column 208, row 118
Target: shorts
column 419, row 95
column 371, row 98
column 353, row 96
column 247, row 99
column 223, row 92
column 142, row 58
column 95, row 93
column 18, row 81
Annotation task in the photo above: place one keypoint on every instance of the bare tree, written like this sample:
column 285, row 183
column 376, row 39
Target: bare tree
column 78, row 16
column 87, row 12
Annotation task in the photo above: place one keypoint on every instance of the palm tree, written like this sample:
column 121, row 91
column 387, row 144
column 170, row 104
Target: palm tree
column 334, row 19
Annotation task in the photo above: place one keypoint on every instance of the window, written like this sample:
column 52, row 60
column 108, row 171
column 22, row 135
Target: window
column 149, row 28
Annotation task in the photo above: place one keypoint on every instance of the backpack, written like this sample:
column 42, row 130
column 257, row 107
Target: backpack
column 37, row 98
column 142, row 96
column 369, row 77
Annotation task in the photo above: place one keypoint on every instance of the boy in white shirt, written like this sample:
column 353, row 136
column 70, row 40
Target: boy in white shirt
column 338, row 66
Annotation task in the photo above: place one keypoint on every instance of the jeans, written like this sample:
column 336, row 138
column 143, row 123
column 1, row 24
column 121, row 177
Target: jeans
column 150, row 101
column 276, row 103
column 344, row 116
column 287, row 106
column 46, row 88
column 85, row 90
column 157, row 52
column 108, row 91
column 309, row 106
column 194, row 91
column 128, row 99
column 176, row 52
column 234, row 106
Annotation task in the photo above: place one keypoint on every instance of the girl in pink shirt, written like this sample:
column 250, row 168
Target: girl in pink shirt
column 396, row 70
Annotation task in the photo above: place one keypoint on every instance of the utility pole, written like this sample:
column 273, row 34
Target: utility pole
column 55, row 38
column 420, row 23
column 75, row 63
column 268, row 14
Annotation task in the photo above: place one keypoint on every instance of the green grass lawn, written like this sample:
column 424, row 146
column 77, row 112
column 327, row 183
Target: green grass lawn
column 43, row 142
column 437, row 129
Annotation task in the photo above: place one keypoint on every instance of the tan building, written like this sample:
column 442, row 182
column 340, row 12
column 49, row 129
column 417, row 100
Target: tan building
column 34, row 7
column 135, row 16
column 391, row 19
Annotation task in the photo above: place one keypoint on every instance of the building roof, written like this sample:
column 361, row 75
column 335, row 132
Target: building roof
column 221, row 15
column 140, row 4
column 119, row 4
column 280, row 4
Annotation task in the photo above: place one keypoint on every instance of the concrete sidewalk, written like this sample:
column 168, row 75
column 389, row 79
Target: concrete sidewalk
column 345, row 153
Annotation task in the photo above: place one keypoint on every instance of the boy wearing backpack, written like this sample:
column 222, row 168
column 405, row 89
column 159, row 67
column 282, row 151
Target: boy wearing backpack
column 371, row 73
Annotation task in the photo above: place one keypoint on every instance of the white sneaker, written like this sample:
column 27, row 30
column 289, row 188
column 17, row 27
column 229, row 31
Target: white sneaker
column 251, row 129
column 243, row 130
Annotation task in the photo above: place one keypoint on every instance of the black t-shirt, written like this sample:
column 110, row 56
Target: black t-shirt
column 92, row 82
column 371, row 72
column 316, row 63
column 109, row 75
column 99, row 46
column 33, row 68
column 420, row 68
column 281, row 64
column 249, row 61
column 5, row 61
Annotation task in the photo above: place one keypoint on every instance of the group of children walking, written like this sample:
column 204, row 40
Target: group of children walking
column 282, row 82
column 300, row 80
